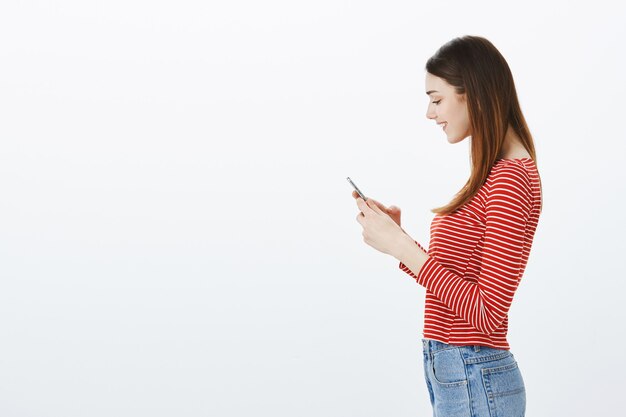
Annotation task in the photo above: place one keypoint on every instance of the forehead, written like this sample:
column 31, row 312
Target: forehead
column 436, row 85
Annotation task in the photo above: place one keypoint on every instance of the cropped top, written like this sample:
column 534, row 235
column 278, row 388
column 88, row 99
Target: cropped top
column 477, row 256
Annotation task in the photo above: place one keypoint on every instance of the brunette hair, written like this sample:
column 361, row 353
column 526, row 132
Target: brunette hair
column 474, row 67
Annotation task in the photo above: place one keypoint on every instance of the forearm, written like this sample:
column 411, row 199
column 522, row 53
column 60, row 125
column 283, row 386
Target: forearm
column 411, row 255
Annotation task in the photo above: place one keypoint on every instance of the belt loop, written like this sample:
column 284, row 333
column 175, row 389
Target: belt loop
column 476, row 348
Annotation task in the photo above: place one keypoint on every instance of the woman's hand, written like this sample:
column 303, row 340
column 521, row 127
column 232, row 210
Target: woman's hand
column 392, row 211
column 380, row 230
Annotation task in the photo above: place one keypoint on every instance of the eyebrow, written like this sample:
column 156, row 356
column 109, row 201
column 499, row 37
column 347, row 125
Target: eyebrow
column 431, row 91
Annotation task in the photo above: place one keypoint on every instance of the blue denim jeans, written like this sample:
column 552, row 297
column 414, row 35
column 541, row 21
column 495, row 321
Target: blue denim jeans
column 473, row 381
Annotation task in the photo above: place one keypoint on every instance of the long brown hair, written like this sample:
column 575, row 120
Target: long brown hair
column 474, row 67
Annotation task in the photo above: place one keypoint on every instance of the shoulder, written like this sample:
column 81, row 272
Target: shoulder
column 512, row 180
column 511, row 171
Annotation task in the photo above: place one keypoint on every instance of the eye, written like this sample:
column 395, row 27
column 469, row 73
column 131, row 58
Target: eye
column 437, row 102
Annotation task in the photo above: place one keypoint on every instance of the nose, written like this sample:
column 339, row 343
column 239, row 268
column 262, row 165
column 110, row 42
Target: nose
column 430, row 114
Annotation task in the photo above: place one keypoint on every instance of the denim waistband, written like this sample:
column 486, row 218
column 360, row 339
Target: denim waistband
column 435, row 345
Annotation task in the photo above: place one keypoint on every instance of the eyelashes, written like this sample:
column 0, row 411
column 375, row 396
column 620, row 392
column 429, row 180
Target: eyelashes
column 436, row 102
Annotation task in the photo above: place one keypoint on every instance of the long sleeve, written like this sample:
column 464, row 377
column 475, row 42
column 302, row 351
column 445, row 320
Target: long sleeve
column 485, row 303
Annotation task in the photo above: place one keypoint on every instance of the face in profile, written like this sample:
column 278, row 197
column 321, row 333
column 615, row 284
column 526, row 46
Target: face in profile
column 447, row 108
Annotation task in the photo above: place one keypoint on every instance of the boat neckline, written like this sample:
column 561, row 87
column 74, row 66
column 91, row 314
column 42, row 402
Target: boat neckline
column 513, row 159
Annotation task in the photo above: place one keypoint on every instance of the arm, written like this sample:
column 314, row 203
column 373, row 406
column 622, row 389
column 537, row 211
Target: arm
column 419, row 246
column 484, row 304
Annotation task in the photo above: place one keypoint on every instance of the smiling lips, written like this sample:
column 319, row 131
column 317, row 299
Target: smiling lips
column 443, row 125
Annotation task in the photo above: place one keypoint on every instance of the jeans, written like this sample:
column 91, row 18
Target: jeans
column 473, row 381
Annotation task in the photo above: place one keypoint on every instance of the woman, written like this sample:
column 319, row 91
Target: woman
column 479, row 242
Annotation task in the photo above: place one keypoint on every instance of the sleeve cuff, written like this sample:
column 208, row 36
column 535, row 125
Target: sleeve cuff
column 425, row 271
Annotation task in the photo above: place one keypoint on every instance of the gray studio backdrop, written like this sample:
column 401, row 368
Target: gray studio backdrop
column 178, row 238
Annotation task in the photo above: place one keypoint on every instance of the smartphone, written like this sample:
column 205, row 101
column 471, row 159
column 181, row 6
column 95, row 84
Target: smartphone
column 357, row 189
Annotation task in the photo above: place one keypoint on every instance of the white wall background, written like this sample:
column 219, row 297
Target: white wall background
column 177, row 236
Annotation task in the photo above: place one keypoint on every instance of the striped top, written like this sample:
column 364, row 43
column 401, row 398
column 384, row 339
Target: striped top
column 477, row 256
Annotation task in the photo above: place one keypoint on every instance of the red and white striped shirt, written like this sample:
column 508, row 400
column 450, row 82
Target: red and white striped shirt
column 477, row 256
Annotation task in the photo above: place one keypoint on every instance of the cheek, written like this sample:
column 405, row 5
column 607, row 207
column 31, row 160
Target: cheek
column 444, row 111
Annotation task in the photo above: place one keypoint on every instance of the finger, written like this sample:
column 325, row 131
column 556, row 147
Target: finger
column 364, row 207
column 374, row 206
column 378, row 204
column 356, row 195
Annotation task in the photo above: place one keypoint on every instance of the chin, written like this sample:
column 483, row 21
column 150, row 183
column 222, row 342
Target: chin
column 457, row 139
column 452, row 139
